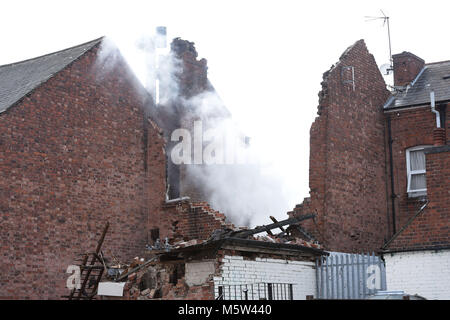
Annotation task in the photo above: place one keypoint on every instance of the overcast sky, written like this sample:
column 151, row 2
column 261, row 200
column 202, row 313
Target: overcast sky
column 265, row 58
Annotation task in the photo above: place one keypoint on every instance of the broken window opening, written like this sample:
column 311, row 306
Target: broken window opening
column 177, row 273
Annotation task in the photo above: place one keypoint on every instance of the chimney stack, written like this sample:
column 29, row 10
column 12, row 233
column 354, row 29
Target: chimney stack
column 406, row 67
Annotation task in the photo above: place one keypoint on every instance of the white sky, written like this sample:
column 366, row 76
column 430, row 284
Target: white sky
column 265, row 58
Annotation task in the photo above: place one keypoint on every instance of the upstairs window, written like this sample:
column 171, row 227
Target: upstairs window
column 416, row 170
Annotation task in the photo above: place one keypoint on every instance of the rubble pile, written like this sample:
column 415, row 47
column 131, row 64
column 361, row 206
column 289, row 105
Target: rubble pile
column 297, row 241
column 158, row 280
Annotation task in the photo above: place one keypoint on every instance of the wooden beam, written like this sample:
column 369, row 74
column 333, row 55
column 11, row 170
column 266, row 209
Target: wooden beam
column 275, row 221
column 246, row 233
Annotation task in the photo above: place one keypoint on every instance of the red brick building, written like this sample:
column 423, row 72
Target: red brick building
column 417, row 256
column 419, row 143
column 376, row 158
column 78, row 148
column 347, row 156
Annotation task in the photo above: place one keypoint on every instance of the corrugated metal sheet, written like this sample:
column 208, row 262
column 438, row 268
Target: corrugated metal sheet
column 349, row 276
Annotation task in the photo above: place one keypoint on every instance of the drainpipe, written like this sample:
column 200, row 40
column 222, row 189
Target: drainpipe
column 439, row 137
column 433, row 109
column 391, row 167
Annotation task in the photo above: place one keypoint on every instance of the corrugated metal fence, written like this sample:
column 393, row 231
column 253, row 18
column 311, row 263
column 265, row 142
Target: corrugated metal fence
column 349, row 276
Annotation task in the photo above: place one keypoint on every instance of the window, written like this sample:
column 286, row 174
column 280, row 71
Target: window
column 416, row 170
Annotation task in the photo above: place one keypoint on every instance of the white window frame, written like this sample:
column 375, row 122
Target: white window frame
column 410, row 173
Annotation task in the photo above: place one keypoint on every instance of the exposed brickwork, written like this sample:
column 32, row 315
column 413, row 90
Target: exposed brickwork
column 406, row 67
column 171, row 279
column 193, row 78
column 409, row 128
column 181, row 112
column 167, row 282
column 431, row 228
column 347, row 157
column 72, row 156
column 79, row 151
column 184, row 221
column 156, row 173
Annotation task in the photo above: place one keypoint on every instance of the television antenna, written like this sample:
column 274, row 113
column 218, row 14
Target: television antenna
column 385, row 67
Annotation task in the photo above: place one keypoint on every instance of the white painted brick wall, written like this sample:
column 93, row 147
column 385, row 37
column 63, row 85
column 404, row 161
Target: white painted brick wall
column 236, row 270
column 426, row 273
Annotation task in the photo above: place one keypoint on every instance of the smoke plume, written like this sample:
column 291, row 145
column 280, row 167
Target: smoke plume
column 235, row 179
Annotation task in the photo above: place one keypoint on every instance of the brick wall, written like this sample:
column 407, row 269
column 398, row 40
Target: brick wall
column 197, row 274
column 184, row 220
column 406, row 67
column 74, row 154
column 191, row 79
column 170, row 281
column 430, row 229
column 410, row 128
column 426, row 273
column 347, row 156
column 197, row 100
column 236, row 270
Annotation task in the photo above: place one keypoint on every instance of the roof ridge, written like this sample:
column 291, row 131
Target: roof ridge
column 437, row 62
column 55, row 52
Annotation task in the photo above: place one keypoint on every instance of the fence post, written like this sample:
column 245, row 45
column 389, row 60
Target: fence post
column 291, row 292
column 349, row 281
column 322, row 276
column 317, row 278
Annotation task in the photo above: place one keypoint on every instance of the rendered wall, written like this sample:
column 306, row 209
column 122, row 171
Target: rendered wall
column 426, row 273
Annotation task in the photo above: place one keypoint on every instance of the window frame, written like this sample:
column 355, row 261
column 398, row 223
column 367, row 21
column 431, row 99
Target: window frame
column 410, row 173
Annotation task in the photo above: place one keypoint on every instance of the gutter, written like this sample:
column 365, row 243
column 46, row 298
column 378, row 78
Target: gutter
column 435, row 248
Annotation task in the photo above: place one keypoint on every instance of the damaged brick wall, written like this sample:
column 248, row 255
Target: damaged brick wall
column 165, row 281
column 191, row 79
column 347, row 156
column 198, row 276
column 181, row 112
column 156, row 186
column 172, row 279
column 72, row 156
column 184, row 221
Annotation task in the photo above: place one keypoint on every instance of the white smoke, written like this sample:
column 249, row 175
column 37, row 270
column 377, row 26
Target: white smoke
column 156, row 68
column 240, row 183
column 242, row 186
